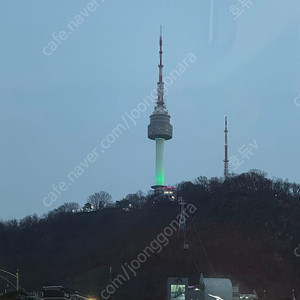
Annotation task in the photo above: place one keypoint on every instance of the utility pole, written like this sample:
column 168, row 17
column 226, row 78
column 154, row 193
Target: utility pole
column 110, row 280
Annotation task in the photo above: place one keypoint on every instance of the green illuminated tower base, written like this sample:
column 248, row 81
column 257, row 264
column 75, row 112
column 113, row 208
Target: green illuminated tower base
column 159, row 167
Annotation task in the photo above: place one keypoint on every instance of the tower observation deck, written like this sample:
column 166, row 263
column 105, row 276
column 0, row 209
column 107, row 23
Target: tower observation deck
column 160, row 128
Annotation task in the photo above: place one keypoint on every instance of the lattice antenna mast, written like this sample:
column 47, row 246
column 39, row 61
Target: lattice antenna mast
column 226, row 161
column 182, row 221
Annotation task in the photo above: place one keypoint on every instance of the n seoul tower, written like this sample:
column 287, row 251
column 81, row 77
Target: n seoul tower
column 160, row 128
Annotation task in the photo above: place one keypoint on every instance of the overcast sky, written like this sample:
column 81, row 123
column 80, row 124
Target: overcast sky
column 61, row 97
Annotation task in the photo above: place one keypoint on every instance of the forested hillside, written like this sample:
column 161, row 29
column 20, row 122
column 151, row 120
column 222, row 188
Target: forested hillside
column 245, row 229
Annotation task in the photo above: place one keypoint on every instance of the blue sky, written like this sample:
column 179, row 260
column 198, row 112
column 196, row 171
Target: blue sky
column 55, row 109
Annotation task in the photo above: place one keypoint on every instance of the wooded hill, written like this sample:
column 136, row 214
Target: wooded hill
column 246, row 228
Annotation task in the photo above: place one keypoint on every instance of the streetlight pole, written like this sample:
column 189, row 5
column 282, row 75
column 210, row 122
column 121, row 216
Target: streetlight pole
column 17, row 277
column 13, row 275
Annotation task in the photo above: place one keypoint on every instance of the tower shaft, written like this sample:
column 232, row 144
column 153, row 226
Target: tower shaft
column 159, row 165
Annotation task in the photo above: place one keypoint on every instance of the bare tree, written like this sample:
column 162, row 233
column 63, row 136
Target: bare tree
column 28, row 221
column 99, row 200
column 71, row 207
column 66, row 208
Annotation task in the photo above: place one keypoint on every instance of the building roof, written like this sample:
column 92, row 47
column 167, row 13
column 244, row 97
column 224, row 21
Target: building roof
column 218, row 287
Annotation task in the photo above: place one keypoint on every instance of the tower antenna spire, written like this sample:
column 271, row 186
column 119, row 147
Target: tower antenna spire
column 226, row 161
column 160, row 84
